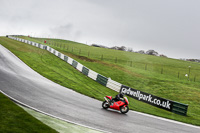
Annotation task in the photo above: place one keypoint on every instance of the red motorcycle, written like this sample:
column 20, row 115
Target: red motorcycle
column 119, row 105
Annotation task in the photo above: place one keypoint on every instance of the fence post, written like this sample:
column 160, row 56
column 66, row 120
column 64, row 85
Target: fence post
column 178, row 75
column 162, row 70
column 79, row 51
column 102, row 57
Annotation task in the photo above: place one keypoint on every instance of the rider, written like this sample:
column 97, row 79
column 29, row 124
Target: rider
column 118, row 97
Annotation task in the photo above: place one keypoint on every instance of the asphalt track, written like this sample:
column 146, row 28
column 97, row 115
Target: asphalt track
column 27, row 86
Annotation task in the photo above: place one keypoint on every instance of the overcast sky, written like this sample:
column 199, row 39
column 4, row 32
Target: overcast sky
column 170, row 27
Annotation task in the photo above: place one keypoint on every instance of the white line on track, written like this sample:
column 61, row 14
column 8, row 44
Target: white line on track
column 165, row 119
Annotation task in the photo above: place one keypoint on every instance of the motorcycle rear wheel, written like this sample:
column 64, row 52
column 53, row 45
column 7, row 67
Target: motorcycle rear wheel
column 124, row 109
column 105, row 105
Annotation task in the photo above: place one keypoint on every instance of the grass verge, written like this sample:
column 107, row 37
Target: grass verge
column 59, row 125
column 15, row 119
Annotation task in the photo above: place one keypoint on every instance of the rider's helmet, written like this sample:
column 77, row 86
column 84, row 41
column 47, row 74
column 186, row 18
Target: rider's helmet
column 121, row 95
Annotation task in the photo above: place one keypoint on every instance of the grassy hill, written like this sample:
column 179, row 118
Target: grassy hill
column 150, row 63
column 162, row 77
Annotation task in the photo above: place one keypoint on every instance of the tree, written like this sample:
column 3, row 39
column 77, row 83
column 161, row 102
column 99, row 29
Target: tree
column 130, row 50
column 162, row 55
column 122, row 48
column 115, row 47
column 152, row 52
column 141, row 52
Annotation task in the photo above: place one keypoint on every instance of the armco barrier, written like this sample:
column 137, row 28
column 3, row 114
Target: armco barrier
column 42, row 46
column 92, row 74
column 59, row 55
column 52, row 51
column 179, row 108
column 74, row 63
column 45, row 47
column 113, row 85
column 56, row 53
column 147, row 98
column 48, row 48
column 102, row 80
column 79, row 67
column 85, row 70
column 62, row 56
column 65, row 58
column 70, row 60
column 39, row 45
column 159, row 102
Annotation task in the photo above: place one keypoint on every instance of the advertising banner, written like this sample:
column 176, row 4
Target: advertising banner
column 147, row 98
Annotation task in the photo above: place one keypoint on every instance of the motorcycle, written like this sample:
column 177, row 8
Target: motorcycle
column 122, row 106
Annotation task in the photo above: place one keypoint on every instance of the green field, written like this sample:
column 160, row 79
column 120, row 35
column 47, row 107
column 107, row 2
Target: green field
column 162, row 77
column 173, row 68
column 15, row 119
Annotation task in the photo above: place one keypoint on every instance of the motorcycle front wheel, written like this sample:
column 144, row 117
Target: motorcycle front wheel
column 105, row 105
column 124, row 109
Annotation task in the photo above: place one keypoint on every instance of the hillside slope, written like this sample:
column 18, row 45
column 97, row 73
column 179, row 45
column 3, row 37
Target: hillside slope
column 162, row 85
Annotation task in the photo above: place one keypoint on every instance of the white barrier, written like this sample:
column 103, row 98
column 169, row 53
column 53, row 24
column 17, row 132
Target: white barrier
column 33, row 43
column 70, row 60
column 52, row 50
column 79, row 67
column 92, row 74
column 62, row 56
column 56, row 53
column 42, row 46
column 48, row 48
column 36, row 44
column 113, row 85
